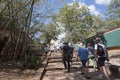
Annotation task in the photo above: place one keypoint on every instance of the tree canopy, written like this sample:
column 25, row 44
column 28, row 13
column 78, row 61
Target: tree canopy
column 77, row 20
column 113, row 13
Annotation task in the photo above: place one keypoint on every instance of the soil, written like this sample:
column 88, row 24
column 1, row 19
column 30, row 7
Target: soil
column 10, row 71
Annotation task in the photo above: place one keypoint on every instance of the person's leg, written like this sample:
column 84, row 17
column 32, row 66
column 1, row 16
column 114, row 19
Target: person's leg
column 46, row 53
column 100, row 63
column 68, row 66
column 71, row 57
column 85, row 70
column 94, row 63
column 103, row 70
column 65, row 66
column 77, row 56
column 84, row 67
column 64, row 61
column 50, row 52
column 88, row 62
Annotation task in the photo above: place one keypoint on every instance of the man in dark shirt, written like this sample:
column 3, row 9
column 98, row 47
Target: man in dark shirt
column 66, row 56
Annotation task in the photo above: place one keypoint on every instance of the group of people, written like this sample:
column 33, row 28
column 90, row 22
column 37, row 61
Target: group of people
column 97, row 54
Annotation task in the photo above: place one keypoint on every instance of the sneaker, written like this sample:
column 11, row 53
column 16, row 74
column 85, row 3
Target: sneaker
column 101, row 76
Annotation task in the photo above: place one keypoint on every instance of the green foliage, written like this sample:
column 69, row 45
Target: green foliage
column 114, row 9
column 76, row 19
column 113, row 14
column 30, row 61
column 48, row 32
column 98, row 25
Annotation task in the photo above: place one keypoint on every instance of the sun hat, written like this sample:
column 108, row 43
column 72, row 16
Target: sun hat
column 97, row 39
column 80, row 45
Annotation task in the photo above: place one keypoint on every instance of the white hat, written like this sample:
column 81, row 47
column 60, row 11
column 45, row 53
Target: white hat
column 97, row 40
column 80, row 45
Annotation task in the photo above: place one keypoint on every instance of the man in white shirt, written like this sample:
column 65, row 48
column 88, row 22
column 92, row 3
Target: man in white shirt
column 101, row 55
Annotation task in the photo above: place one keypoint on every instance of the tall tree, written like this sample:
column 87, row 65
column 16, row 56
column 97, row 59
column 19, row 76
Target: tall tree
column 76, row 20
column 18, row 16
column 113, row 14
column 48, row 32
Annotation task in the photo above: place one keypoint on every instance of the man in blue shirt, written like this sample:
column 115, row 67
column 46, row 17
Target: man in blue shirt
column 83, row 55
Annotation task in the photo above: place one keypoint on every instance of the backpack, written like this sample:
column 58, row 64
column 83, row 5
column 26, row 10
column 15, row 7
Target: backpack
column 65, row 49
column 66, row 55
column 100, row 50
column 71, row 49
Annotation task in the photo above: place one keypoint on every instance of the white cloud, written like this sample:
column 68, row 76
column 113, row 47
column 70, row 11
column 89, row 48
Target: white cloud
column 76, row 0
column 105, row 2
column 93, row 10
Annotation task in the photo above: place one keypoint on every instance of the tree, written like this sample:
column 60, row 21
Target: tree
column 113, row 13
column 43, row 16
column 48, row 32
column 76, row 20
column 18, row 22
column 114, row 9
column 23, row 18
column 98, row 25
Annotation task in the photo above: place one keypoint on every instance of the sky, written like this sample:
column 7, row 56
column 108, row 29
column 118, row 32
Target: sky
column 97, row 7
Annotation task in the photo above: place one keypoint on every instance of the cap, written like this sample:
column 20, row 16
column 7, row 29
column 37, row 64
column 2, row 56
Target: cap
column 89, row 44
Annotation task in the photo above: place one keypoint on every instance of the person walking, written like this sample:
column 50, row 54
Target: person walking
column 66, row 56
column 76, row 47
column 91, row 55
column 83, row 55
column 46, row 50
column 71, row 50
column 101, row 55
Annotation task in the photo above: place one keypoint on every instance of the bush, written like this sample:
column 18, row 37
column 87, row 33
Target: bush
column 31, row 61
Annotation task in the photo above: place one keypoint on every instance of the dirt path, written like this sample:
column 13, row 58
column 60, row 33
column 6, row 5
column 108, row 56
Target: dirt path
column 56, row 71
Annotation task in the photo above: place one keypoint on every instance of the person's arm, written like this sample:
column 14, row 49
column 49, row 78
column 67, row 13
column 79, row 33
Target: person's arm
column 107, row 56
column 95, row 51
column 95, row 54
column 61, row 50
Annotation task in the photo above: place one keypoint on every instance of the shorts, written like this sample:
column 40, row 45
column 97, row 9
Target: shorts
column 101, row 61
column 84, row 63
